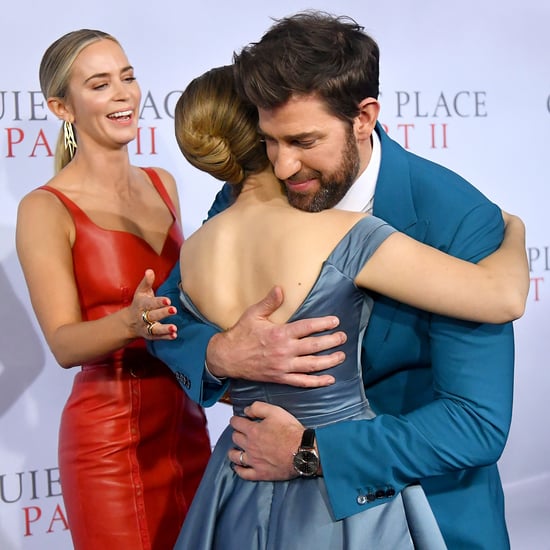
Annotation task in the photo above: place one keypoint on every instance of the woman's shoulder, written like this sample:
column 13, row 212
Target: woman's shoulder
column 41, row 213
column 342, row 216
column 40, row 198
column 168, row 181
column 165, row 176
column 335, row 220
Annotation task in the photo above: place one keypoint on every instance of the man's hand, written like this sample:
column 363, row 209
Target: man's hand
column 155, row 309
column 267, row 446
column 257, row 349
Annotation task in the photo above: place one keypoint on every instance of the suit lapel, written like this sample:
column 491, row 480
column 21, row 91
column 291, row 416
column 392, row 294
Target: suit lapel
column 393, row 196
column 393, row 202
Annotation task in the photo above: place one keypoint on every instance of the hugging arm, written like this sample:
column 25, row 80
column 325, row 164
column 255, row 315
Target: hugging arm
column 185, row 355
column 464, row 424
column 493, row 290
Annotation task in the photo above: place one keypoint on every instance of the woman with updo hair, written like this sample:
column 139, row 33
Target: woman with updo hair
column 94, row 242
column 215, row 129
column 324, row 262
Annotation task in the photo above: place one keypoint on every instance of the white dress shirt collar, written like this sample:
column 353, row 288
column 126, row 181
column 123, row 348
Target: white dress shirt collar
column 360, row 196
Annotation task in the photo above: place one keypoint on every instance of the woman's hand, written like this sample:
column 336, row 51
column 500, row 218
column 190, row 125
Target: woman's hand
column 147, row 310
column 508, row 217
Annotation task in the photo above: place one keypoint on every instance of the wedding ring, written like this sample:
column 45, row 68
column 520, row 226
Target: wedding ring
column 150, row 328
column 243, row 463
column 145, row 317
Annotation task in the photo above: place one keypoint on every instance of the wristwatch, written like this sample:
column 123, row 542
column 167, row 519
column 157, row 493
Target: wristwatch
column 306, row 459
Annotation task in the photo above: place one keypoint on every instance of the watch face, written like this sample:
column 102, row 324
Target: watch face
column 306, row 462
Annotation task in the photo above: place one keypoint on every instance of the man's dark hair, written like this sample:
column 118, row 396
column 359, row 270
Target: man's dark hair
column 310, row 52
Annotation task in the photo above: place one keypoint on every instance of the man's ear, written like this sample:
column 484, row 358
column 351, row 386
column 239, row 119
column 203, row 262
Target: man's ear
column 365, row 121
column 59, row 108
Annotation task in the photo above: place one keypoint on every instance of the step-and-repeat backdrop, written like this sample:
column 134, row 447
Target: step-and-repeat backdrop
column 465, row 84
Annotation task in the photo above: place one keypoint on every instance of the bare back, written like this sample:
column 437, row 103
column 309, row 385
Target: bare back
column 233, row 260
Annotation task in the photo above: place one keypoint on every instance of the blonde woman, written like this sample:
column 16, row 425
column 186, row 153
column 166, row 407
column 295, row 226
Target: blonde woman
column 132, row 446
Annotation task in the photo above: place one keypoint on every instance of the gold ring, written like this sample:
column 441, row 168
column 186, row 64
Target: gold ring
column 243, row 463
column 145, row 317
column 150, row 328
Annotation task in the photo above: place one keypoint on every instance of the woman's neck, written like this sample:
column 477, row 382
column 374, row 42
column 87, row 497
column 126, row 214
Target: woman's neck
column 261, row 187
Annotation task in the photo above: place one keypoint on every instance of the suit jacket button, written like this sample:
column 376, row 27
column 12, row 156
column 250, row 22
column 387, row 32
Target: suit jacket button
column 390, row 492
column 361, row 499
column 380, row 494
column 183, row 380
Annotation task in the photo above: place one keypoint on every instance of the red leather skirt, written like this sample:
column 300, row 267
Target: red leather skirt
column 132, row 450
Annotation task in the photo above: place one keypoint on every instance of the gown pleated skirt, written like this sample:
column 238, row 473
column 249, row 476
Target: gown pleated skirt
column 230, row 513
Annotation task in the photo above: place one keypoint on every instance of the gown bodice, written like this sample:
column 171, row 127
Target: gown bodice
column 334, row 293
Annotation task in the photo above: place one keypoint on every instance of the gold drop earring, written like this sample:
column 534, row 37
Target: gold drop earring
column 70, row 141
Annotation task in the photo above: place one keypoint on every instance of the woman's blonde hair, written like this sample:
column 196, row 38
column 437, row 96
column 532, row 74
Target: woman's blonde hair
column 216, row 130
column 55, row 72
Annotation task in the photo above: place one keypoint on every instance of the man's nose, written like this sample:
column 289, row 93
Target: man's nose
column 286, row 162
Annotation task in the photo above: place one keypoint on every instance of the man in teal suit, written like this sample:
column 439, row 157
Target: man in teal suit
column 442, row 388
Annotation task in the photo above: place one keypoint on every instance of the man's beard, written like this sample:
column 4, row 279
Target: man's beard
column 332, row 187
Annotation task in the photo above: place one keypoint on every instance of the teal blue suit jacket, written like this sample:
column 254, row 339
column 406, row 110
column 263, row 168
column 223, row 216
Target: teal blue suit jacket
column 442, row 388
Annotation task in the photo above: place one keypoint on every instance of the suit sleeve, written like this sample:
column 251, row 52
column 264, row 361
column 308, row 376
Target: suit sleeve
column 464, row 425
column 186, row 356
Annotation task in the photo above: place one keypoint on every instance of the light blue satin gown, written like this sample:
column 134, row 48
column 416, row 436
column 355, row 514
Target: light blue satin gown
column 229, row 513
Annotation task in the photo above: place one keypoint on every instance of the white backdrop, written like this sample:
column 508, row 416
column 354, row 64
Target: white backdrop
column 465, row 84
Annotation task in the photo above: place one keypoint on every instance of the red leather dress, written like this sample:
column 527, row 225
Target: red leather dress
column 132, row 445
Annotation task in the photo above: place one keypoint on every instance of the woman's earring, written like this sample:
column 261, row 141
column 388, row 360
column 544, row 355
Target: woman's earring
column 70, row 141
